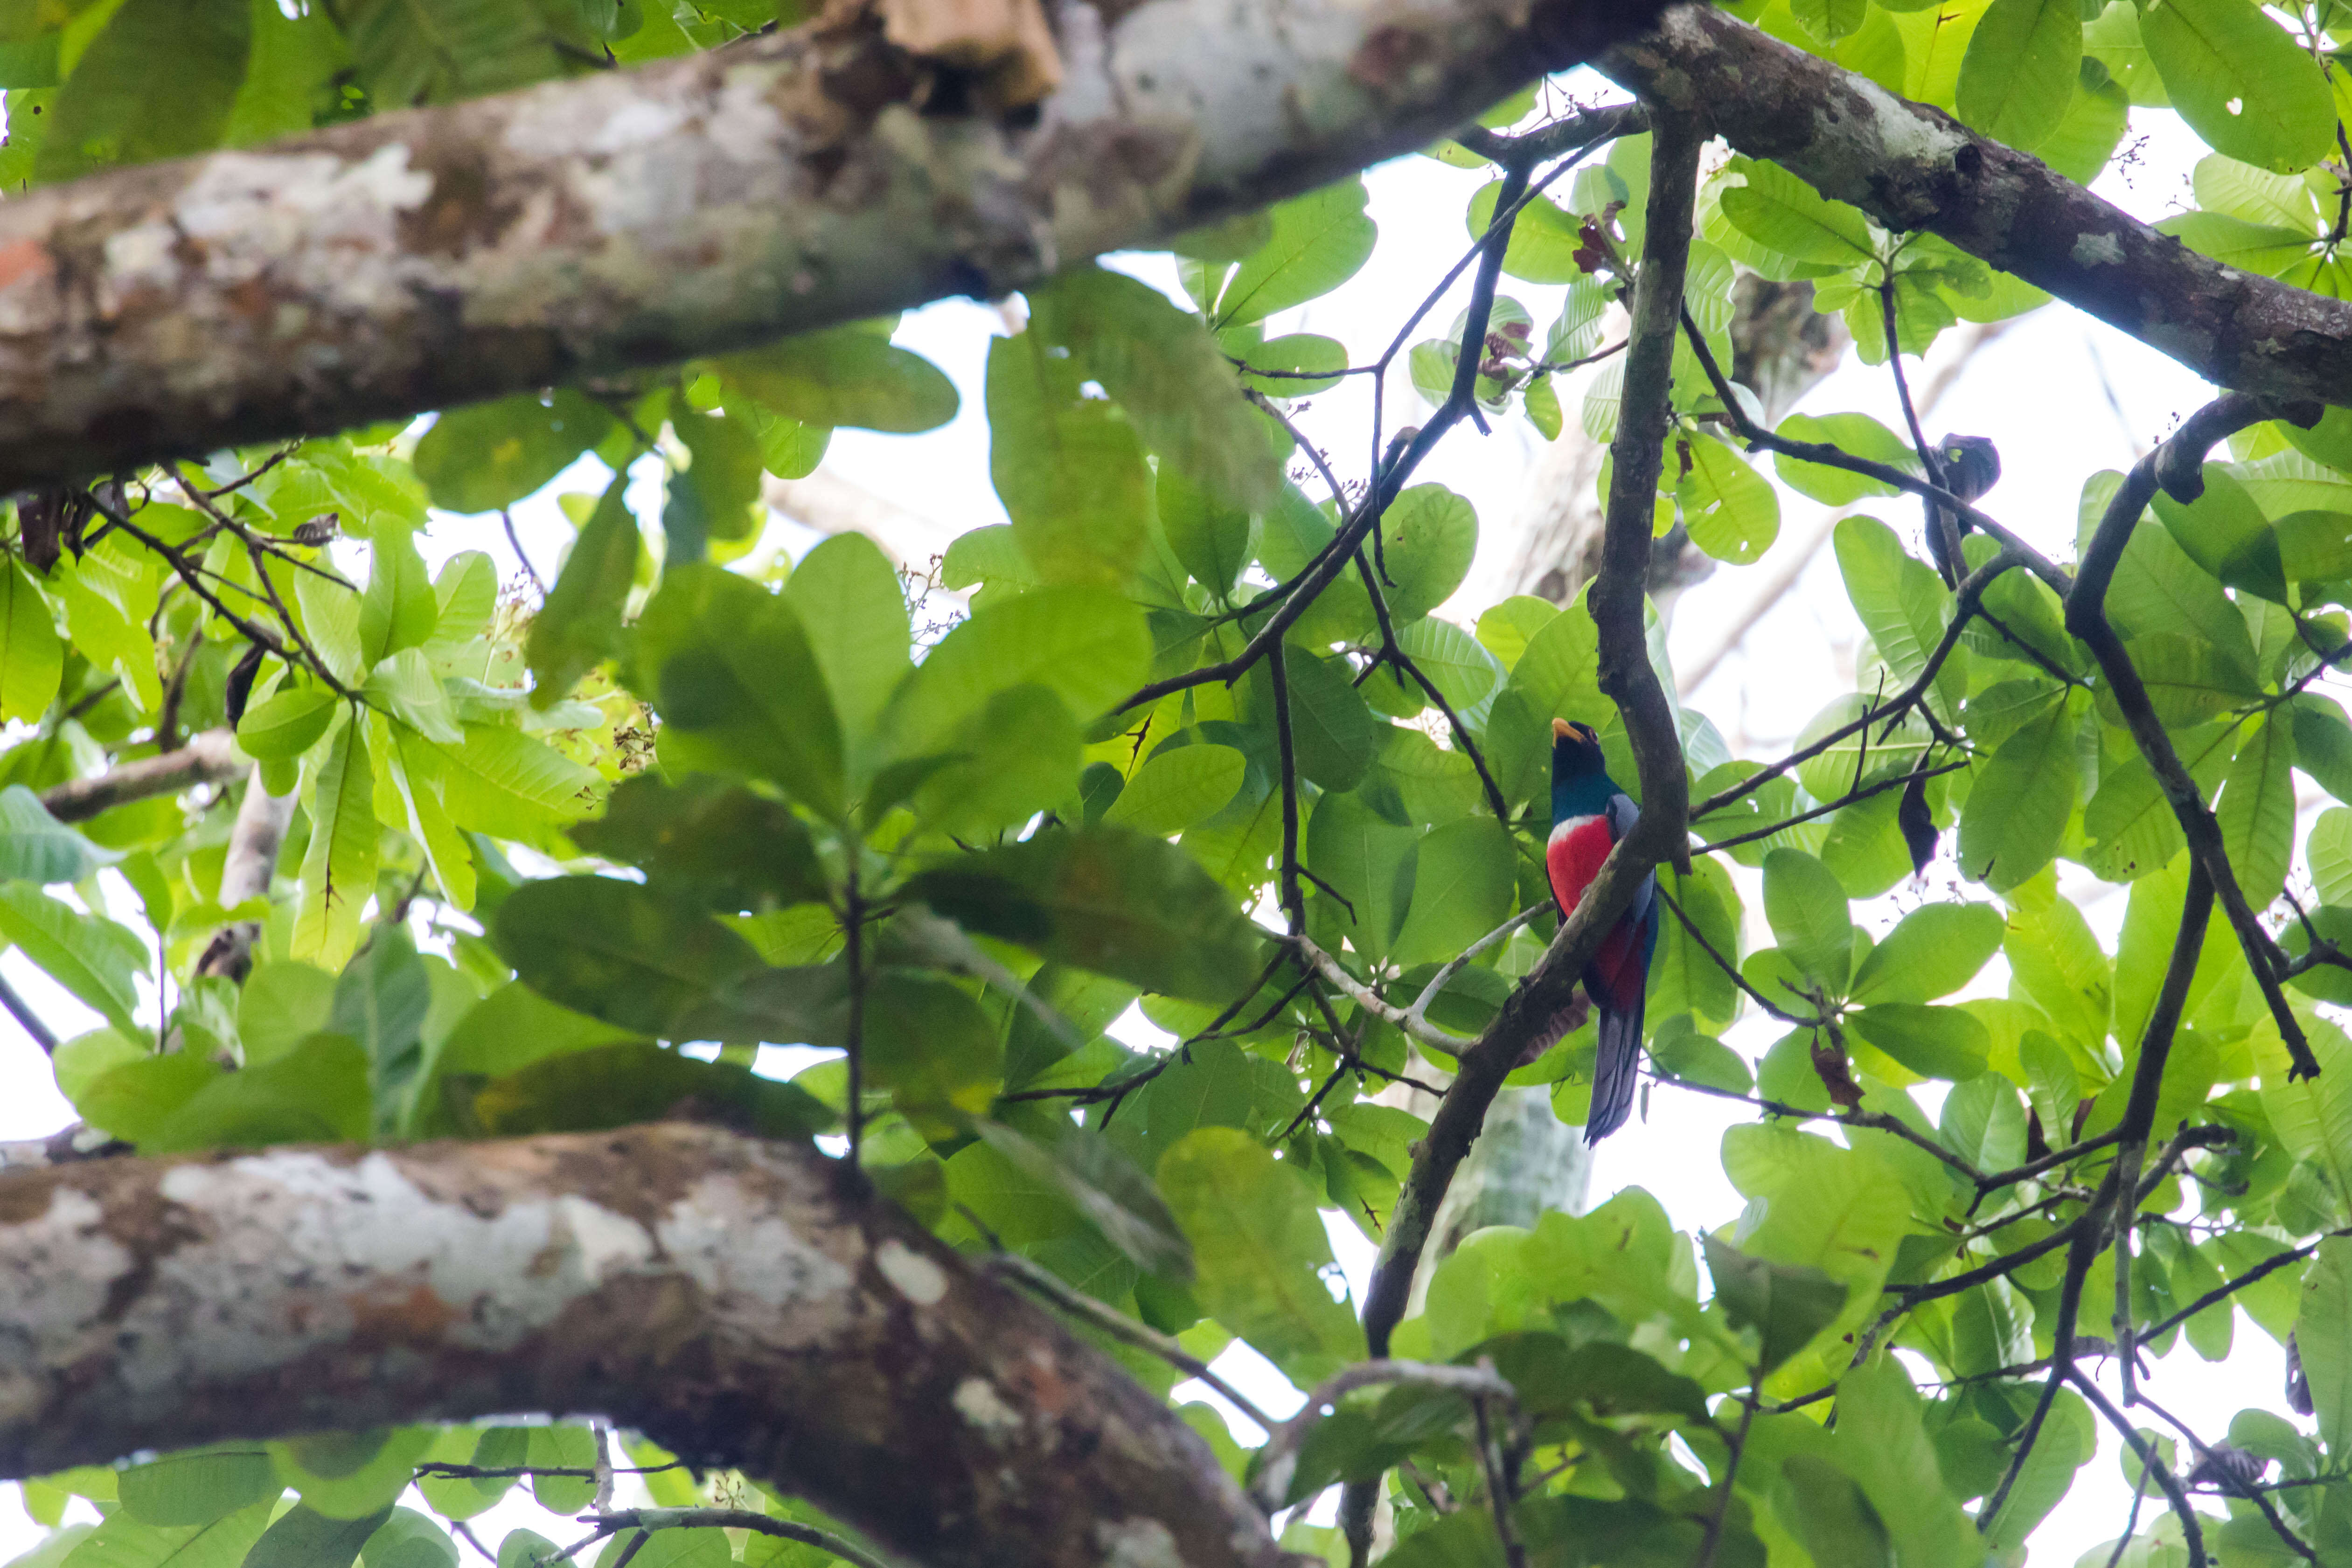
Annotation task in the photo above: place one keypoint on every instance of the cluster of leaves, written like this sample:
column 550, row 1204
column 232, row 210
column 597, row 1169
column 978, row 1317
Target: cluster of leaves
column 957, row 872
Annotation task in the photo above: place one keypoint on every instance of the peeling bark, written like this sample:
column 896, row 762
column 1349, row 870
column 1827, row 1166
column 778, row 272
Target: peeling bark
column 744, row 1303
column 1913, row 167
column 422, row 259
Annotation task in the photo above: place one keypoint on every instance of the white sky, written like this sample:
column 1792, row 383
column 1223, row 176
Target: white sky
column 2036, row 392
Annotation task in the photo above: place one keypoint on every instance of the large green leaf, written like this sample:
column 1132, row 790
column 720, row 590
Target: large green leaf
column 1331, row 729
column 1318, row 242
column 1790, row 218
column 197, row 1487
column 850, row 375
column 1090, row 648
column 2322, row 1335
column 616, row 1085
column 2223, row 530
column 339, row 866
column 32, row 656
column 1729, row 509
column 1105, row 899
column 1807, row 909
column 1260, row 1249
column 1177, row 788
column 2257, row 810
column 1903, row 604
column 1857, row 434
column 1164, row 369
column 617, row 950
column 1464, row 886
column 1431, row 534
column 717, row 497
column 1069, row 468
column 1116, row 1198
column 119, row 107
column 1934, row 951
column 491, row 455
column 854, row 612
column 1367, row 862
column 124, row 1541
column 739, row 686
column 2018, row 76
column 36, row 847
column 580, row 624
column 304, row 1538
column 718, row 844
column 2241, row 82
column 433, row 51
column 2019, row 801
column 1786, row 1306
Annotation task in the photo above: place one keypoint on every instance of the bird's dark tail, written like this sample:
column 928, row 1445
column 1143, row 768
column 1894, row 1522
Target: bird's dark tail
column 1617, row 1068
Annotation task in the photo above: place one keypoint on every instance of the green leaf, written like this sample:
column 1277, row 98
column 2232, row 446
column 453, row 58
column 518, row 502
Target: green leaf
column 1164, row 367
column 1729, row 509
column 1089, row 647
column 1881, row 1444
column 339, row 866
column 2018, row 76
column 1069, row 468
column 2057, row 962
column 435, row 51
column 1463, row 885
column 848, row 376
column 1857, row 434
column 508, row 784
column 350, row 1475
column 563, row 1445
column 616, row 950
column 2322, row 1335
column 1116, row 1198
column 197, row 1487
column 854, row 613
column 1790, row 218
column 491, row 455
column 1330, row 726
column 399, row 609
column 2257, row 810
column 287, row 724
column 32, row 656
column 1902, row 603
column 118, row 108
column 717, row 496
column 2224, row 530
column 2158, row 589
column 1934, row 951
column 1260, row 1251
column 1933, row 1042
column 2019, row 801
column 1312, row 361
column 1830, row 20
column 1177, row 788
column 1838, row 1210
column 316, row 1094
column 1019, row 755
column 717, row 844
column 1319, row 241
column 2330, row 852
column 2241, row 82
column 1104, row 899
column 1431, row 534
column 1214, row 541
column 1683, row 975
column 304, row 1538
column 1786, row 1305
column 1544, row 237
column 610, row 1086
column 739, row 686
column 1807, row 909
column 580, row 623
column 409, row 1540
column 1366, row 861
column 125, row 1542
column 88, row 955
column 36, row 847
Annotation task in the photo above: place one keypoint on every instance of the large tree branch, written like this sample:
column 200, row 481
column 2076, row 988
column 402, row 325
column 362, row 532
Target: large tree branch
column 420, row 259
column 745, row 1303
column 1913, row 167
column 206, row 759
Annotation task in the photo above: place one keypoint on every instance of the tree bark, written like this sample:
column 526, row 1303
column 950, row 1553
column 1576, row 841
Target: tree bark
column 744, row 1303
column 254, row 840
column 417, row 260
column 206, row 759
column 1913, row 167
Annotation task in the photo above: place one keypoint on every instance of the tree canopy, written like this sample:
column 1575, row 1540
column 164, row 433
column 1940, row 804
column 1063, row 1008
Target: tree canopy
column 438, row 923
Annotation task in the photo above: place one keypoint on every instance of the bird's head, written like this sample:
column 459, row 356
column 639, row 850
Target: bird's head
column 1971, row 465
column 1575, row 751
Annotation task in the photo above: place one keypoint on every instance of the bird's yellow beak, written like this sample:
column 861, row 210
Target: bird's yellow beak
column 1560, row 730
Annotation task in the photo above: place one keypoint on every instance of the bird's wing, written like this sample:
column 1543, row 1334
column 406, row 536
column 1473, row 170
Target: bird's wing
column 1623, row 815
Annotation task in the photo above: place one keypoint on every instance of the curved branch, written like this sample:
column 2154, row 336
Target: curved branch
column 745, row 1303
column 1913, row 167
column 693, row 207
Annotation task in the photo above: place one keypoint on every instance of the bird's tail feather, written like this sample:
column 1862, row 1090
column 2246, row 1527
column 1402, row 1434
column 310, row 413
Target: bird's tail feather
column 1617, row 1068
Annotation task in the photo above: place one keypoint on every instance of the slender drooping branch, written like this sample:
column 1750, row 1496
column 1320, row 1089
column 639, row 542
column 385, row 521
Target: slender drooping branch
column 832, row 1344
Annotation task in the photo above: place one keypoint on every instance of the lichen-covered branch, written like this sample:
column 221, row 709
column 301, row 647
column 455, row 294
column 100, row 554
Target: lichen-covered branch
column 425, row 258
column 745, row 1303
column 1913, row 167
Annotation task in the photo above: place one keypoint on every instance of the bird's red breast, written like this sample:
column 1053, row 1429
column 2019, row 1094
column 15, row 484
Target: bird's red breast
column 1573, row 857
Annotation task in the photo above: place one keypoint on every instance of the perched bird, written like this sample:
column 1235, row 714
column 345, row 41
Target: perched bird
column 1972, row 465
column 1589, row 815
